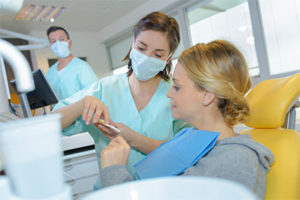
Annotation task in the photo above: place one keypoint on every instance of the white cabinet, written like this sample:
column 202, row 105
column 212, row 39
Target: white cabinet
column 81, row 172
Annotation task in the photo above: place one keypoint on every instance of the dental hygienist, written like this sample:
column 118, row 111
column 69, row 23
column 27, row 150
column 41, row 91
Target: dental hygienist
column 69, row 74
column 135, row 102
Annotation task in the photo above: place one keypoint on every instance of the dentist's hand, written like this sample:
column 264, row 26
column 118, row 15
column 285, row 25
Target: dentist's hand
column 94, row 109
column 116, row 153
column 134, row 139
column 126, row 132
column 108, row 132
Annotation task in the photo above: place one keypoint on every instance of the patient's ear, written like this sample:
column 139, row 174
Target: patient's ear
column 208, row 98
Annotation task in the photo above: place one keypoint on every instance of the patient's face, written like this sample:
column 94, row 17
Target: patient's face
column 185, row 97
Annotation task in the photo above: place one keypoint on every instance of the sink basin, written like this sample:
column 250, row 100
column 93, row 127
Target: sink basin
column 173, row 188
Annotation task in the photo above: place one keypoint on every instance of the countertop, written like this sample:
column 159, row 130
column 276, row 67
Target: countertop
column 76, row 141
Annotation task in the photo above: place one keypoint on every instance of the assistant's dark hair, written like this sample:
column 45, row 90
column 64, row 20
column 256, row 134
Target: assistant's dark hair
column 55, row 28
column 158, row 21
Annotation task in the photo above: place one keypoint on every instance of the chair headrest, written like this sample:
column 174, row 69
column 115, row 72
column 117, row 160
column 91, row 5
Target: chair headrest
column 270, row 100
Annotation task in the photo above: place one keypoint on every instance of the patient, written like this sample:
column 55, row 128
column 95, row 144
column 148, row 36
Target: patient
column 209, row 84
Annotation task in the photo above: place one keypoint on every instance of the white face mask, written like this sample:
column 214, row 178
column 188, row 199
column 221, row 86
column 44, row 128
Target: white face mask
column 145, row 67
column 61, row 49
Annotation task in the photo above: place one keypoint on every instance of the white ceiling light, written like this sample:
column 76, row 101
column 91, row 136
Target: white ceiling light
column 55, row 12
column 39, row 13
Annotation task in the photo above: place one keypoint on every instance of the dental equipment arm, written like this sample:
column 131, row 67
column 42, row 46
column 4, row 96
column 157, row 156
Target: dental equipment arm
column 41, row 43
column 9, row 7
column 22, row 72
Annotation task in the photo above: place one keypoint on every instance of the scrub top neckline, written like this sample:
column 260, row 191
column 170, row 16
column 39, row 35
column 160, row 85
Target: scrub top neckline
column 151, row 100
column 59, row 72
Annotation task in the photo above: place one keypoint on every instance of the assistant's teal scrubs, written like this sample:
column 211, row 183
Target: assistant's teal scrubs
column 154, row 121
column 77, row 75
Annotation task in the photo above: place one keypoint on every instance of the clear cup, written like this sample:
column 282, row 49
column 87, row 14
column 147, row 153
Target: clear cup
column 32, row 155
column 5, row 191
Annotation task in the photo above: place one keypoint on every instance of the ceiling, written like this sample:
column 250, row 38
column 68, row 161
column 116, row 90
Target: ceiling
column 80, row 15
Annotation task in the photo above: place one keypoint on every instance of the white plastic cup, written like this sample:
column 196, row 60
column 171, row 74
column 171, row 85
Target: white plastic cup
column 32, row 156
column 5, row 191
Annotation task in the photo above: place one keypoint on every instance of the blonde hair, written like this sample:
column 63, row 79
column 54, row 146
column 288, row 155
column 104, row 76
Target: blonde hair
column 220, row 68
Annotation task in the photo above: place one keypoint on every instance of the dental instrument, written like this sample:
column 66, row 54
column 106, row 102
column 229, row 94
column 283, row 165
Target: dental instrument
column 101, row 121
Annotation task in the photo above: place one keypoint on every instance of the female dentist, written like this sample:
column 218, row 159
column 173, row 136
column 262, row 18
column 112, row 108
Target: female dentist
column 136, row 100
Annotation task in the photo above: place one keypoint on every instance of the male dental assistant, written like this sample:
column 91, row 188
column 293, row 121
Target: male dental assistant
column 69, row 74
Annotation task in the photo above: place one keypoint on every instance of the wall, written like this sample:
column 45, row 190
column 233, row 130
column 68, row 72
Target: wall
column 84, row 44
column 126, row 22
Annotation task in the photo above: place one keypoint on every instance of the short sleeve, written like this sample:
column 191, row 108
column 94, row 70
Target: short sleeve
column 79, row 126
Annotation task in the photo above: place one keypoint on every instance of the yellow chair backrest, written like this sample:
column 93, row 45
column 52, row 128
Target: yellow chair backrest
column 269, row 103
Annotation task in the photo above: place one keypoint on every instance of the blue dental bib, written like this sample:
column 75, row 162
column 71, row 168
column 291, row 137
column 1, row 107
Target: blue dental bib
column 178, row 154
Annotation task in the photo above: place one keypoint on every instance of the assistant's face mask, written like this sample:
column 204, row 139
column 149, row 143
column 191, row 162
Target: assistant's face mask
column 61, row 49
column 145, row 67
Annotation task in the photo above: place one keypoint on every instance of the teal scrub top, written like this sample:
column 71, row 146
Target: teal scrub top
column 77, row 75
column 154, row 121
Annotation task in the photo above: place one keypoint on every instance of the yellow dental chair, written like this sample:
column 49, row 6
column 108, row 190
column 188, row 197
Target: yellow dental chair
column 272, row 118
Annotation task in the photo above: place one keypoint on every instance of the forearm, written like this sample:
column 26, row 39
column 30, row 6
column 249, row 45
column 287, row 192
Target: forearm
column 114, row 175
column 143, row 143
column 70, row 113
